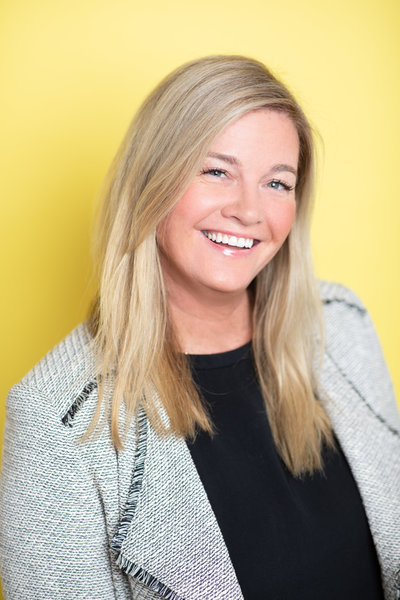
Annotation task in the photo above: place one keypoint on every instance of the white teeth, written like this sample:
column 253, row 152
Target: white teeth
column 222, row 238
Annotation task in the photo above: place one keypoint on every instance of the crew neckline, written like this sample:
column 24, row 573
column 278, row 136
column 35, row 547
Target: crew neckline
column 220, row 359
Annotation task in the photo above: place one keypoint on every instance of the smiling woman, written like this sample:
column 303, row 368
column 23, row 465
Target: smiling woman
column 223, row 426
column 227, row 227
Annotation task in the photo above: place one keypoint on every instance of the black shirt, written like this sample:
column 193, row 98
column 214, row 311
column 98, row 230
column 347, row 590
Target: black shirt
column 287, row 537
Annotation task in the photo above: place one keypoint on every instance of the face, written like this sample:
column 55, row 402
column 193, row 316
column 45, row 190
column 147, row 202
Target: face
column 238, row 210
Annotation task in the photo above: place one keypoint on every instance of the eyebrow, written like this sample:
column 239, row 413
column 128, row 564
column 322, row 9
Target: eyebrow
column 282, row 167
column 232, row 160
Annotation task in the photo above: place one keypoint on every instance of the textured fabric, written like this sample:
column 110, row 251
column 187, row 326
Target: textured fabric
column 83, row 521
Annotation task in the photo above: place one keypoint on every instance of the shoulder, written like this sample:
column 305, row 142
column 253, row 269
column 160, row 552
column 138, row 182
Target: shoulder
column 348, row 326
column 349, row 330
column 352, row 344
column 335, row 294
column 346, row 320
column 59, row 378
column 58, row 498
column 51, row 408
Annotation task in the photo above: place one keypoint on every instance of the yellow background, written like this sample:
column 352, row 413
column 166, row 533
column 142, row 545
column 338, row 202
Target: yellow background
column 72, row 75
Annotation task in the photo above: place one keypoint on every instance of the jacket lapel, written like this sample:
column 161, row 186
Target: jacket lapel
column 168, row 538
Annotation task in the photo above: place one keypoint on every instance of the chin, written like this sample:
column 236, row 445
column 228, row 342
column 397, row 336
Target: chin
column 228, row 287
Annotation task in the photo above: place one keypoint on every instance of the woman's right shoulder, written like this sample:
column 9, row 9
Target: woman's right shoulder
column 57, row 382
column 54, row 490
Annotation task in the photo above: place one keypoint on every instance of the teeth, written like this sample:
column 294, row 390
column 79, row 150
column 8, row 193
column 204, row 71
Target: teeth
column 232, row 240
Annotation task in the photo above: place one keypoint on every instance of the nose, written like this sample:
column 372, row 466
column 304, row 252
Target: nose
column 244, row 205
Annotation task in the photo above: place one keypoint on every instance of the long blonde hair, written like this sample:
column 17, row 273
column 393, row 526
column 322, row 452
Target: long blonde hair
column 133, row 337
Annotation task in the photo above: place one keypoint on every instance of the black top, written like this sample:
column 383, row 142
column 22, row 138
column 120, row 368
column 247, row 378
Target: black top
column 287, row 537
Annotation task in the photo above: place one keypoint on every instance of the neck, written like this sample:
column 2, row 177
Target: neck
column 211, row 327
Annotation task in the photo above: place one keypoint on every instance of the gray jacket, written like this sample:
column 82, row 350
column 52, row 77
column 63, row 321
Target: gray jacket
column 83, row 521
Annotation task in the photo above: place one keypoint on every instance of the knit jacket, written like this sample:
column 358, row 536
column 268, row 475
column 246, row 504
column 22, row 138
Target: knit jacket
column 85, row 521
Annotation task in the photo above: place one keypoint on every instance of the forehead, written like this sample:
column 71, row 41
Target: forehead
column 259, row 132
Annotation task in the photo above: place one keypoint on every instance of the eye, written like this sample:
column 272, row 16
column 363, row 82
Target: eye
column 214, row 172
column 277, row 184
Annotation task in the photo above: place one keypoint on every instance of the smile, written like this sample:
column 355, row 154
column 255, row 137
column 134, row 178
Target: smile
column 229, row 240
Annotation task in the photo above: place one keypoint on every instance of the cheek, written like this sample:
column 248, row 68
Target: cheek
column 281, row 219
column 182, row 217
column 168, row 230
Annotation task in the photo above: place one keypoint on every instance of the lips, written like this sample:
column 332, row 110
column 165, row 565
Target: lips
column 229, row 240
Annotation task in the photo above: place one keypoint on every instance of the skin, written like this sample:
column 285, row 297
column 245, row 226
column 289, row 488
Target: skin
column 245, row 188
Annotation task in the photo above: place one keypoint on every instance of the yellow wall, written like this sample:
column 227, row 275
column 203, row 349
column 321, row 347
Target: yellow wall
column 72, row 74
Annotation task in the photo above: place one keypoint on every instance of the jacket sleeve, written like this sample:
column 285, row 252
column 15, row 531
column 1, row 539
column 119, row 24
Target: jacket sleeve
column 364, row 414
column 53, row 538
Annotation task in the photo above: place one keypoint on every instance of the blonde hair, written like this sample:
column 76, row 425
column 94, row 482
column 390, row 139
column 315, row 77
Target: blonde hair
column 133, row 337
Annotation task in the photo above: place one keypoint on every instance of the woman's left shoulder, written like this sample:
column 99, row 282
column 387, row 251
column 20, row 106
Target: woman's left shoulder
column 352, row 344
column 348, row 326
column 335, row 295
column 349, row 330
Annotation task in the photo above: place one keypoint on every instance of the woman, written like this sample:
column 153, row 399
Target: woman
column 219, row 428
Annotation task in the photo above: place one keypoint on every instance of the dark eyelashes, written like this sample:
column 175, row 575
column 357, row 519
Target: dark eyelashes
column 276, row 184
column 285, row 186
column 213, row 172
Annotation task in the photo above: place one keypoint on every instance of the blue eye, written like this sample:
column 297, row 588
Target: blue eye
column 277, row 184
column 215, row 172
